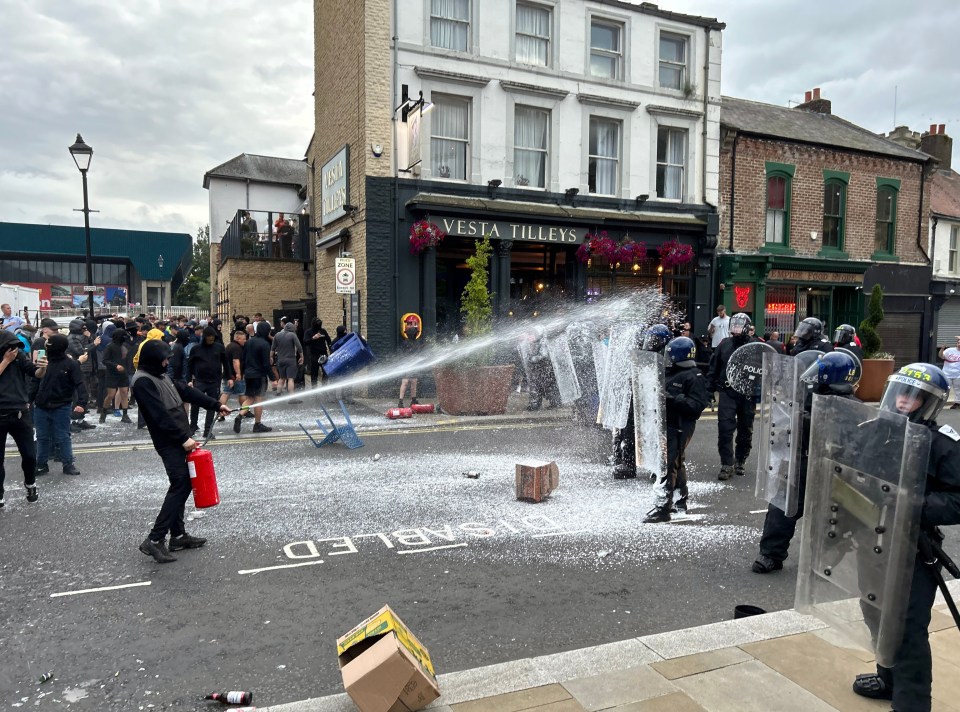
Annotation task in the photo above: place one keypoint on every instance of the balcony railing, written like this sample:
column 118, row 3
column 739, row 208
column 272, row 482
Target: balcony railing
column 263, row 234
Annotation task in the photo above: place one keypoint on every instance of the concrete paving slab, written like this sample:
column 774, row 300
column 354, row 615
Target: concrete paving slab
column 563, row 706
column 674, row 702
column 946, row 683
column 691, row 641
column 941, row 621
column 816, row 666
column 945, row 646
column 701, row 662
column 584, row 662
column 781, row 623
column 488, row 681
column 735, row 689
column 516, row 701
column 600, row 692
column 840, row 641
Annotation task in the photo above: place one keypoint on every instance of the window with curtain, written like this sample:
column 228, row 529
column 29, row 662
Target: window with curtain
column 834, row 199
column 673, row 60
column 530, row 135
column 605, row 49
column 778, row 216
column 952, row 253
column 671, row 159
column 885, row 240
column 450, row 24
column 603, row 169
column 533, row 34
column 449, row 137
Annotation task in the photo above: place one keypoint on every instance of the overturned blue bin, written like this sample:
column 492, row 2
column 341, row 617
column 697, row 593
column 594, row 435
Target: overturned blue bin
column 349, row 358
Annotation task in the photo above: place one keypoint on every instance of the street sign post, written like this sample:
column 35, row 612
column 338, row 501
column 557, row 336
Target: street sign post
column 346, row 271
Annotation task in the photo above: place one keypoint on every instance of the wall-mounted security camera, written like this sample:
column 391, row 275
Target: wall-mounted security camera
column 377, row 150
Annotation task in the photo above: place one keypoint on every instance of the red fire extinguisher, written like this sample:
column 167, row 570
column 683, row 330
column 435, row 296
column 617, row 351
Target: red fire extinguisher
column 203, row 479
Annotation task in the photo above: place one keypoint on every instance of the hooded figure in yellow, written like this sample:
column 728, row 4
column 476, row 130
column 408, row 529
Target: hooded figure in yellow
column 152, row 335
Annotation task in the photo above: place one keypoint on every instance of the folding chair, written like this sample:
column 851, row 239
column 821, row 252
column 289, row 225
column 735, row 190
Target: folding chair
column 346, row 434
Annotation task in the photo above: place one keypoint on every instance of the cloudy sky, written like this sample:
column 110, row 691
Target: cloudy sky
column 164, row 90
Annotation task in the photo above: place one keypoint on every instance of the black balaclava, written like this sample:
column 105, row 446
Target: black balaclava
column 263, row 329
column 57, row 347
column 341, row 330
column 119, row 336
column 183, row 337
column 152, row 357
column 317, row 324
column 209, row 335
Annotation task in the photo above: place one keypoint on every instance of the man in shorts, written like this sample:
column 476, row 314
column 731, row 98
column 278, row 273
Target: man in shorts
column 235, row 355
column 256, row 374
column 287, row 355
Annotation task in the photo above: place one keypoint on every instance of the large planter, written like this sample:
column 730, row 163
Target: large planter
column 874, row 378
column 479, row 390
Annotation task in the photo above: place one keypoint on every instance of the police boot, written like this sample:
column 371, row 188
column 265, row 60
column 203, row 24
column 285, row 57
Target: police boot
column 680, row 507
column 873, row 686
column 726, row 472
column 764, row 565
column 740, row 468
column 658, row 515
column 624, row 468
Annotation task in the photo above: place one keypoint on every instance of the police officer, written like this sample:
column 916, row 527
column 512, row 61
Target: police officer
column 809, row 335
column 920, row 391
column 736, row 411
column 833, row 374
column 845, row 337
column 686, row 397
column 624, row 441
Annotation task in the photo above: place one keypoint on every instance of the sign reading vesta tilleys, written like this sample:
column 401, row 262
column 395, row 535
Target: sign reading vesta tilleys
column 505, row 230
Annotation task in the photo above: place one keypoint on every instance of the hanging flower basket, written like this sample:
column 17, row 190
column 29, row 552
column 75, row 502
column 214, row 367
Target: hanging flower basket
column 601, row 245
column 674, row 253
column 425, row 234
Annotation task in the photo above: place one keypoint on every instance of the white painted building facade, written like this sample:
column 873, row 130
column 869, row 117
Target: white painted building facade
column 607, row 97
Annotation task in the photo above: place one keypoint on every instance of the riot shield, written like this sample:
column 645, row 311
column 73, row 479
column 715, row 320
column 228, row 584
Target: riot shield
column 600, row 367
column 617, row 389
column 649, row 412
column 564, row 372
column 780, row 413
column 745, row 368
column 865, row 486
column 527, row 348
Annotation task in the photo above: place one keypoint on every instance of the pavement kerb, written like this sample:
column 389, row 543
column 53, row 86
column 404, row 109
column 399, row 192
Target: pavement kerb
column 527, row 673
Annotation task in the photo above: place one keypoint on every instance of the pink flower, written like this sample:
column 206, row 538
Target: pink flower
column 423, row 235
column 674, row 253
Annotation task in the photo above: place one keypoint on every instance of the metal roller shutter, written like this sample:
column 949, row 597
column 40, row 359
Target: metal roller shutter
column 900, row 334
column 948, row 323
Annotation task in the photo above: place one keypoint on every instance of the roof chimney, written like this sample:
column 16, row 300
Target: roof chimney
column 939, row 145
column 814, row 103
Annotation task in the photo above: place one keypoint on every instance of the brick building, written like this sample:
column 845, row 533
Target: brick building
column 815, row 210
column 538, row 122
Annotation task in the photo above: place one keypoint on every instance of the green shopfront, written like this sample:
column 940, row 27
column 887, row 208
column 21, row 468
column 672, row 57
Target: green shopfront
column 778, row 291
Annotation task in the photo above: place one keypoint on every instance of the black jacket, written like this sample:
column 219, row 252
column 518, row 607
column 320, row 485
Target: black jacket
column 79, row 344
column 62, row 380
column 168, row 427
column 717, row 370
column 257, row 353
column 687, row 396
column 941, row 506
column 819, row 344
column 209, row 363
column 317, row 347
column 114, row 356
column 13, row 379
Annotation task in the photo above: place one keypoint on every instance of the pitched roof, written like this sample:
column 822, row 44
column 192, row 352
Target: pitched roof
column 761, row 119
column 263, row 169
column 945, row 194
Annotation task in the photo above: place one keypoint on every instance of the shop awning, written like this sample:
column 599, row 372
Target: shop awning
column 518, row 209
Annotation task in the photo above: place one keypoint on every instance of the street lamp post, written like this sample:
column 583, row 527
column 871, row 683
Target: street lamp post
column 82, row 155
column 160, row 265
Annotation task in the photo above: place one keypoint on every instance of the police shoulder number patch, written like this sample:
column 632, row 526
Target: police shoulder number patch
column 950, row 432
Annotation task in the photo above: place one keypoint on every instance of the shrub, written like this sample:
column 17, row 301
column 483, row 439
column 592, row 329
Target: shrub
column 869, row 338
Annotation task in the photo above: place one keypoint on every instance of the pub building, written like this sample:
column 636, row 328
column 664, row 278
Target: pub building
column 535, row 247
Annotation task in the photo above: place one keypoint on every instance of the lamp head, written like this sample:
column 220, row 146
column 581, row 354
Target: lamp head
column 82, row 154
column 495, row 183
column 571, row 192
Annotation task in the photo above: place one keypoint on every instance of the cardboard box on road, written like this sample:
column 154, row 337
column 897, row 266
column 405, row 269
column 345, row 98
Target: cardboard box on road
column 535, row 480
column 384, row 667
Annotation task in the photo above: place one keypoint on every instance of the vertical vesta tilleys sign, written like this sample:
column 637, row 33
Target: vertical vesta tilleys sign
column 335, row 186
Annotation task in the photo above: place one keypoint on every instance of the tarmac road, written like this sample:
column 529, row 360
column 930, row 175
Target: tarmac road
column 306, row 543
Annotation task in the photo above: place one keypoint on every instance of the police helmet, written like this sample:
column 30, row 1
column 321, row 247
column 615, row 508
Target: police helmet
column 809, row 329
column 656, row 337
column 739, row 323
column 682, row 352
column 833, row 368
column 844, row 334
column 918, row 391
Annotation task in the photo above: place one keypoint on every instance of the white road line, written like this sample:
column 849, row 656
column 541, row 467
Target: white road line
column 758, row 511
column 97, row 590
column 433, row 548
column 283, row 566
column 575, row 531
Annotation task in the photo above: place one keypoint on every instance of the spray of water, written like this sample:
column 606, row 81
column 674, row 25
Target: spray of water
column 622, row 315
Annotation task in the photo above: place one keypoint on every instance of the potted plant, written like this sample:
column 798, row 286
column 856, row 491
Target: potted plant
column 877, row 364
column 472, row 385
